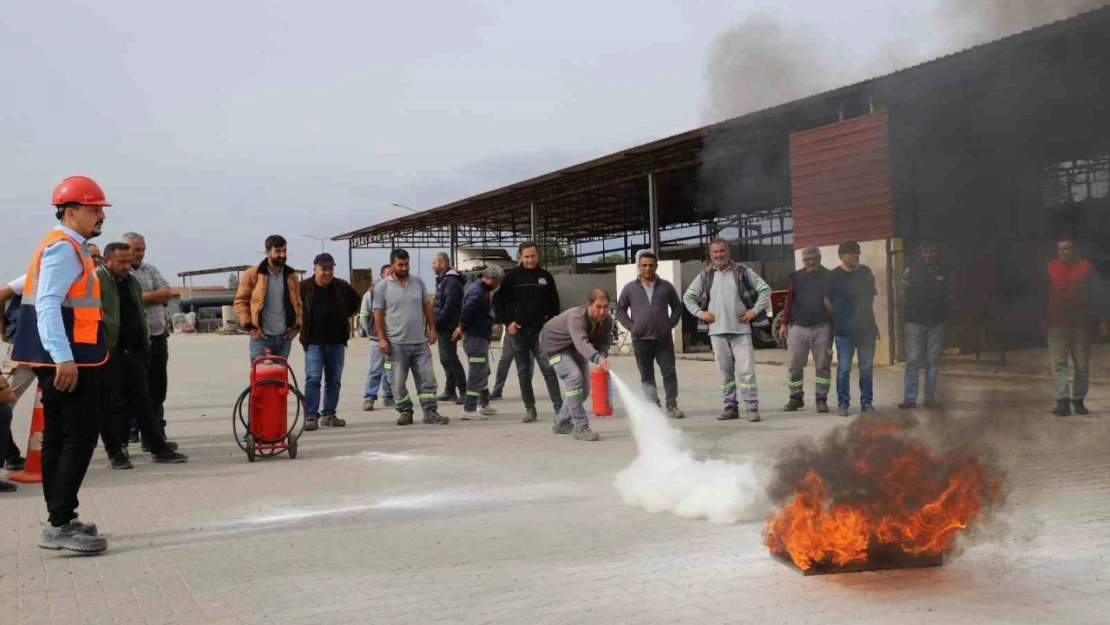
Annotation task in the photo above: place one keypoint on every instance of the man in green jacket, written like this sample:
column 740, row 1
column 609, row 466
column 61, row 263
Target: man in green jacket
column 124, row 395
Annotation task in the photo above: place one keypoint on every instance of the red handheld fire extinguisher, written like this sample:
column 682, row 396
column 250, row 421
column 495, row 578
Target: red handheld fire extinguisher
column 600, row 387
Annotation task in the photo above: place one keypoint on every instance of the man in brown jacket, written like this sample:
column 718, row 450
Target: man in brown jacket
column 269, row 302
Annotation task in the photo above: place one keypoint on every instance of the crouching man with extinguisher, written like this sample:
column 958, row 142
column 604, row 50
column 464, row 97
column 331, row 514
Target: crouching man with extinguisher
column 576, row 337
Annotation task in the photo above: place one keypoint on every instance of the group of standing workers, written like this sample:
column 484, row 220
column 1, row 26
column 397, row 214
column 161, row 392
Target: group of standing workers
column 94, row 339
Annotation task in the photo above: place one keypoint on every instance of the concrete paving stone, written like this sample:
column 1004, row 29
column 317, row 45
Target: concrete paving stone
column 499, row 522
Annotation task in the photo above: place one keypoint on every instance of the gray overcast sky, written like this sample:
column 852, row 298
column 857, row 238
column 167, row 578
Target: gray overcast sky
column 212, row 124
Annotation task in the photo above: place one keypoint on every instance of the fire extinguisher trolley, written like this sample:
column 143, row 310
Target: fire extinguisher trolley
column 266, row 428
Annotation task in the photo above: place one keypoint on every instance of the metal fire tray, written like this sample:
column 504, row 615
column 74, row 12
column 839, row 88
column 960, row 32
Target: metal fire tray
column 880, row 557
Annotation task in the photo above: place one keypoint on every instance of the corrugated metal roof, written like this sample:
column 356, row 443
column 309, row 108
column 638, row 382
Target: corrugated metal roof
column 840, row 182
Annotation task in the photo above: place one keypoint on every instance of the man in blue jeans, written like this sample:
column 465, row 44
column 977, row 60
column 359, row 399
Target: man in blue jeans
column 378, row 378
column 327, row 305
column 268, row 302
column 851, row 293
column 928, row 291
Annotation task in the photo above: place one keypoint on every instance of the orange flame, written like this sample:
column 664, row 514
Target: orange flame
column 911, row 498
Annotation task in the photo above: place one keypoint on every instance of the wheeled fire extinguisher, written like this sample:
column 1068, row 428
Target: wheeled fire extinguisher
column 267, row 431
column 601, row 388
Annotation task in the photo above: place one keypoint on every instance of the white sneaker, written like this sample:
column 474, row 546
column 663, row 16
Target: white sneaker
column 473, row 415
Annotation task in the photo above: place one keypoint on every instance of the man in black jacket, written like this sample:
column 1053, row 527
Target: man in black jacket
column 656, row 310
column 447, row 307
column 527, row 300
column 328, row 303
column 928, row 290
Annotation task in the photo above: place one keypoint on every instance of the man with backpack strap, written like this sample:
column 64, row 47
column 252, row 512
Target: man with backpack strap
column 731, row 298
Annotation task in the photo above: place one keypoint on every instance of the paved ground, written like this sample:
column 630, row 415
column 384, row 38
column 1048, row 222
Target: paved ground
column 500, row 522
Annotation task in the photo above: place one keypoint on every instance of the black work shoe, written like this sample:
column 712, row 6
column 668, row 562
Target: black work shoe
column 15, row 463
column 434, row 418
column 562, row 427
column 843, row 411
column 461, row 398
column 530, row 415
column 729, row 413
column 495, row 395
column 868, row 409
column 169, row 444
column 119, row 463
column 908, row 405
column 169, row 456
column 447, row 397
column 822, row 405
column 1079, row 408
column 405, row 419
column 794, row 404
column 1062, row 409
column 134, row 438
column 311, row 423
column 7, row 487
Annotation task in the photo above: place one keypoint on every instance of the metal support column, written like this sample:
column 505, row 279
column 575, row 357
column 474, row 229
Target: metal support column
column 350, row 261
column 454, row 245
column 534, row 219
column 653, row 214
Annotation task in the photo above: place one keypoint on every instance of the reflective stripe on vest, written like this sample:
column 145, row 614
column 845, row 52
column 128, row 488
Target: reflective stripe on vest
column 82, row 303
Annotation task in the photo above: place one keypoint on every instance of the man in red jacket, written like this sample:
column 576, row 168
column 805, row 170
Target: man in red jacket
column 1076, row 302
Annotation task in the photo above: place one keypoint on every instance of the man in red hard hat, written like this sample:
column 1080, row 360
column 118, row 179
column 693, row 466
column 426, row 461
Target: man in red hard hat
column 61, row 337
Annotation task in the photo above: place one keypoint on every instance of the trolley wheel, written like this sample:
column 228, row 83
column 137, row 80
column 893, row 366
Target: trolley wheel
column 250, row 448
column 292, row 447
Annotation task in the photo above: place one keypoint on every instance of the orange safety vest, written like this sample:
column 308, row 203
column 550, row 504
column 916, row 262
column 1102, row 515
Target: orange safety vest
column 81, row 313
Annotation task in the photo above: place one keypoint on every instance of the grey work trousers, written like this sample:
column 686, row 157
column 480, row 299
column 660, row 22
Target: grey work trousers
column 415, row 357
column 736, row 359
column 504, row 364
column 800, row 343
column 573, row 372
column 1074, row 342
column 477, row 378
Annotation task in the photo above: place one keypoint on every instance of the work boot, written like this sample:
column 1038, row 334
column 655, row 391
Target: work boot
column 530, row 415
column 908, row 405
column 1079, row 408
column 168, row 456
column 474, row 415
column 562, row 427
column 729, row 413
column 495, row 395
column 843, row 411
column 460, row 399
column 868, row 409
column 70, row 536
column 584, row 433
column 85, row 528
column 329, row 420
column 7, row 487
column 434, row 418
column 447, row 396
column 1062, row 409
column 368, row 405
column 822, row 405
column 146, row 449
column 389, row 403
column 15, row 463
column 673, row 412
column 311, row 422
column 487, row 411
column 405, row 419
column 752, row 414
column 119, row 463
column 794, row 404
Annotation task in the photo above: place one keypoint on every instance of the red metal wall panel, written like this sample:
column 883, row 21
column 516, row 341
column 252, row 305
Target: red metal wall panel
column 840, row 182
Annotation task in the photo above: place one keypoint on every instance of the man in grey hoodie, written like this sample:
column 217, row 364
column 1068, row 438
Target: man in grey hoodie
column 730, row 297
column 569, row 342
column 656, row 310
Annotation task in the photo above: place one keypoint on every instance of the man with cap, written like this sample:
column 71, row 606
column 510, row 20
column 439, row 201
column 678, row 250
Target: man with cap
column 62, row 338
column 327, row 305
column 807, row 327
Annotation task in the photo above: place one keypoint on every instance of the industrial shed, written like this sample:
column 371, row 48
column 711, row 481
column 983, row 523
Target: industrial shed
column 992, row 151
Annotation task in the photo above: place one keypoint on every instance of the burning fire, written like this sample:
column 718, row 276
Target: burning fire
column 879, row 486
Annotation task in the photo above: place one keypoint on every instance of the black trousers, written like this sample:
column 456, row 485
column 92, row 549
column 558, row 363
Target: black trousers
column 158, row 376
column 526, row 347
column 452, row 366
column 5, row 430
column 68, row 439
column 125, row 400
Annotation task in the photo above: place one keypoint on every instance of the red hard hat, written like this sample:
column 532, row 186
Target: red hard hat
column 80, row 190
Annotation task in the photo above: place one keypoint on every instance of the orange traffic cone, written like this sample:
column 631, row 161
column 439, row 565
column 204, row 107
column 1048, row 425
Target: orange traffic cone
column 32, row 472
